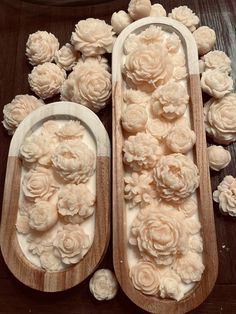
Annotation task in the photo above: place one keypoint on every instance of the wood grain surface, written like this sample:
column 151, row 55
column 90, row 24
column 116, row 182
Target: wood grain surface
column 17, row 20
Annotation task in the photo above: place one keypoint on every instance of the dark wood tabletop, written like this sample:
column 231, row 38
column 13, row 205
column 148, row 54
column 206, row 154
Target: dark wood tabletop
column 20, row 18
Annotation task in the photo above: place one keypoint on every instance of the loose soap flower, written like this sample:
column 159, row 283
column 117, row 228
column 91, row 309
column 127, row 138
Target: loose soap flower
column 185, row 15
column 134, row 118
column 181, row 139
column 139, row 8
column 43, row 216
column 120, row 20
column 216, row 60
column 205, row 38
column 66, row 57
column 219, row 157
column 157, row 10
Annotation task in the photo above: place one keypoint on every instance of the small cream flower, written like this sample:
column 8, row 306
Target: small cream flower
column 74, row 161
column 176, row 177
column 145, row 277
column 147, row 67
column 188, row 207
column 93, row 37
column 141, row 151
column 15, row 111
column 139, row 8
column 170, row 286
column 103, row 285
column 134, row 118
column 205, row 38
column 185, row 15
column 173, row 43
column 169, row 101
column 217, row 60
column 41, row 47
column 71, row 130
column 219, row 157
column 43, row 216
column 216, row 83
column 46, row 79
column 220, row 119
column 66, row 57
column 157, row 10
column 180, row 139
column 159, row 128
column 71, row 244
column 120, row 20
column 225, row 195
column 132, row 96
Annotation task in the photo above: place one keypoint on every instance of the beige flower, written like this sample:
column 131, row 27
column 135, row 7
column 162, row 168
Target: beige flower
column 145, row 277
column 103, row 285
column 38, row 184
column 71, row 244
column 141, row 151
column 205, row 38
column 132, row 96
column 220, row 119
column 173, row 43
column 189, row 267
column 176, row 177
column 66, row 57
column 217, row 60
column 22, row 224
column 218, row 157
column 188, row 207
column 181, row 139
column 50, row 262
column 43, row 216
column 225, row 195
column 15, row 111
column 46, row 79
column 159, row 128
column 120, row 20
column 216, row 83
column 185, row 15
column 148, row 67
column 159, row 234
column 71, row 130
column 74, row 161
column 134, row 118
column 170, row 286
column 93, row 37
column 139, row 8
column 169, row 101
column 41, row 47
column 157, row 10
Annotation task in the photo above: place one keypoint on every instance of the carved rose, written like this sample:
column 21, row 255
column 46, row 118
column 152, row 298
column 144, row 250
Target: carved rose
column 159, row 128
column 181, row 139
column 71, row 130
column 139, row 8
column 134, row 118
column 217, row 60
column 170, row 286
column 120, row 20
column 157, row 10
column 185, row 15
column 42, row 216
column 219, row 157
column 66, row 57
column 205, row 38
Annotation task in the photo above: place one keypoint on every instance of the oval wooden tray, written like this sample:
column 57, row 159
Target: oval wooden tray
column 18, row 264
column 203, row 288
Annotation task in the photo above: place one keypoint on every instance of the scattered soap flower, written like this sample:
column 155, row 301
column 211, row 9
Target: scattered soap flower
column 219, row 157
column 139, row 8
column 157, row 10
column 41, row 47
column 22, row 224
column 71, row 130
column 49, row 261
column 134, row 118
column 159, row 128
column 15, row 111
column 66, row 57
column 173, row 43
column 205, row 38
column 170, row 286
column 120, row 20
column 188, row 207
column 46, row 79
column 132, row 96
column 180, row 139
column 216, row 60
column 103, row 285
column 185, row 15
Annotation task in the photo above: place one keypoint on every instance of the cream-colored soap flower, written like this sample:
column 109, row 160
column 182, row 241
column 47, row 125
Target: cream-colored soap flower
column 141, row 151
column 66, row 57
column 169, row 101
column 15, row 111
column 147, row 67
column 46, row 79
column 139, row 189
column 43, row 216
column 89, row 84
column 145, row 277
column 103, row 285
column 132, row 96
column 205, row 38
column 217, row 60
column 71, row 130
column 41, row 47
column 216, row 83
column 186, row 16
column 38, row 184
column 180, row 139
column 220, row 119
column 74, row 161
column 71, row 244
column 157, row 10
column 189, row 267
column 225, row 195
column 219, row 157
column 159, row 128
column 176, row 177
column 170, row 286
column 173, row 43
column 22, row 223
column 93, row 37
column 159, row 234
column 120, row 20
column 49, row 261
column 134, row 118
column 188, row 207
column 139, row 8
column 76, row 200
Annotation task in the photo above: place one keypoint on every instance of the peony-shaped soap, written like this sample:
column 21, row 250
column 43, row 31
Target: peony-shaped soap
column 120, row 20
column 157, row 10
column 66, row 57
column 186, row 16
column 216, row 59
column 170, row 286
column 139, row 8
column 134, row 118
column 205, row 38
column 181, row 139
column 219, row 157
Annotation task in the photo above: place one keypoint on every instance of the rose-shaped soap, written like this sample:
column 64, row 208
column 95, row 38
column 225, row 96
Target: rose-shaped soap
column 120, row 20
column 103, row 285
column 93, row 37
column 217, row 60
column 43, row 216
column 185, row 15
column 41, row 47
column 205, row 38
column 134, row 118
column 219, row 157
column 139, row 8
column 157, row 10
column 170, row 286
column 181, row 139
column 159, row 128
column 66, row 57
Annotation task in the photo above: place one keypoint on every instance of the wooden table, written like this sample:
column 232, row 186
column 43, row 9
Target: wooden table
column 17, row 20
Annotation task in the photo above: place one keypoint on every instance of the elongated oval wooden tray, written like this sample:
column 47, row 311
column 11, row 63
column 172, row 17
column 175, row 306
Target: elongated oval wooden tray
column 202, row 289
column 18, row 264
